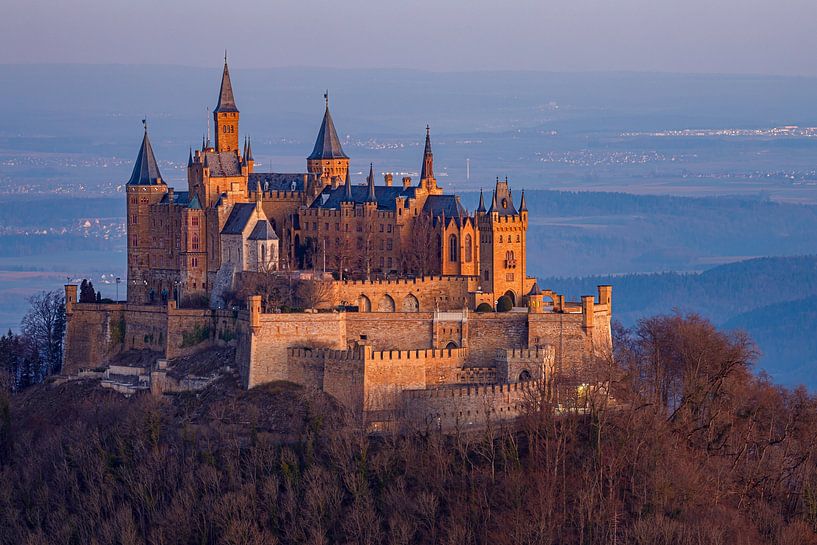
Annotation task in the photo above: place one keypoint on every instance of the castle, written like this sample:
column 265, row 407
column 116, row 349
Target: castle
column 411, row 281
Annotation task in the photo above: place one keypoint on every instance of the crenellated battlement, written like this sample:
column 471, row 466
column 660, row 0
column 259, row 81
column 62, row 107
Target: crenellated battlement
column 473, row 390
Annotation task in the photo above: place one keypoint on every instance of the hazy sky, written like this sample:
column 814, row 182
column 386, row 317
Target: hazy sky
column 724, row 36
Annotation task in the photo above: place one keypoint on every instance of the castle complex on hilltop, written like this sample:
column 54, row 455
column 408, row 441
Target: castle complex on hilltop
column 397, row 330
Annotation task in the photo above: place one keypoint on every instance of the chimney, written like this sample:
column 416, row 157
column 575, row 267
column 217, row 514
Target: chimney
column 170, row 195
column 388, row 178
column 406, row 182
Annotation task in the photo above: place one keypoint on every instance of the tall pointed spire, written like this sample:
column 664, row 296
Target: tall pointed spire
column 248, row 154
column 347, row 197
column 226, row 100
column 146, row 169
column 523, row 206
column 371, row 197
column 327, row 145
column 494, row 206
column 428, row 158
column 481, row 207
column 190, row 158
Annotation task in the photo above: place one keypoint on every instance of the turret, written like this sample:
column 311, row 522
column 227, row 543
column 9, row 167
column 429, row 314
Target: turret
column 327, row 159
column 371, row 197
column 226, row 114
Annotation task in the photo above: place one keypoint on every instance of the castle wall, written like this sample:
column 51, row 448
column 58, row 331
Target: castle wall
column 391, row 331
column 98, row 332
column 431, row 293
column 489, row 331
column 463, row 407
column 266, row 359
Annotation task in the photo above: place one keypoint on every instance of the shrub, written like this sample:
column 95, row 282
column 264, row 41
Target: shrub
column 485, row 307
column 504, row 304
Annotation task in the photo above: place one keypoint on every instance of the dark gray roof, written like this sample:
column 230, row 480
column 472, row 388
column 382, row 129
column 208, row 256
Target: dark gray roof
column 181, row 198
column 535, row 289
column 223, row 163
column 385, row 196
column 239, row 216
column 226, row 100
column 448, row 205
column 481, row 207
column 263, row 231
column 327, row 145
column 275, row 181
column 146, row 169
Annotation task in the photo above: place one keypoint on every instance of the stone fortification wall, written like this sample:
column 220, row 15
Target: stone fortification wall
column 391, row 331
column 425, row 294
column 264, row 359
column 463, row 407
column 521, row 364
column 95, row 333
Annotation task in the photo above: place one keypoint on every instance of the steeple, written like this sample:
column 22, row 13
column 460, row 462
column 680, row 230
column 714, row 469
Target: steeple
column 428, row 158
column 146, row 169
column 226, row 100
column 190, row 158
column 371, row 196
column 327, row 145
column 226, row 115
column 248, row 154
column 523, row 206
column 481, row 207
column 347, row 197
column 494, row 206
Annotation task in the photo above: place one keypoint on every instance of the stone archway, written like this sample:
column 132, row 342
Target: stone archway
column 385, row 304
column 525, row 376
column 451, row 345
column 364, row 304
column 512, row 296
column 410, row 304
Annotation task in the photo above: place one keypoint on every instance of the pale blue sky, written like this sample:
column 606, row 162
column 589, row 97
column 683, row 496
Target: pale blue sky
column 712, row 36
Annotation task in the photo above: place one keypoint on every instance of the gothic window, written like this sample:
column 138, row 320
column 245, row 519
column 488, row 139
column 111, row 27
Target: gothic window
column 389, row 244
column 389, row 263
column 388, row 228
column 452, row 248
column 194, row 221
column 518, row 238
column 468, row 248
column 195, row 244
column 263, row 254
column 500, row 239
column 134, row 219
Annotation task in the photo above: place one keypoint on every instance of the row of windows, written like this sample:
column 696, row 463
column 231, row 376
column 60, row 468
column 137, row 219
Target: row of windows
column 226, row 129
column 453, row 249
column 487, row 239
column 358, row 227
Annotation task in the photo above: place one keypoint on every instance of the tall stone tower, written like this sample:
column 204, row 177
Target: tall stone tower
column 144, row 189
column 503, row 232
column 327, row 160
column 226, row 115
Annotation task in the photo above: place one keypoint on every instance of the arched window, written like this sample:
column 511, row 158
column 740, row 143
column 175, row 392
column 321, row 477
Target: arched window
column 263, row 254
column 468, row 248
column 452, row 248
column 195, row 245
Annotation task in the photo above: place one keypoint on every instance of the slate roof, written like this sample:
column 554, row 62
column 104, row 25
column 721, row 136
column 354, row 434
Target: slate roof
column 194, row 203
column 182, row 198
column 448, row 205
column 239, row 216
column 263, row 231
column 496, row 205
column 384, row 195
column 226, row 100
column 146, row 169
column 535, row 289
column 327, row 145
column 276, row 181
column 224, row 163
